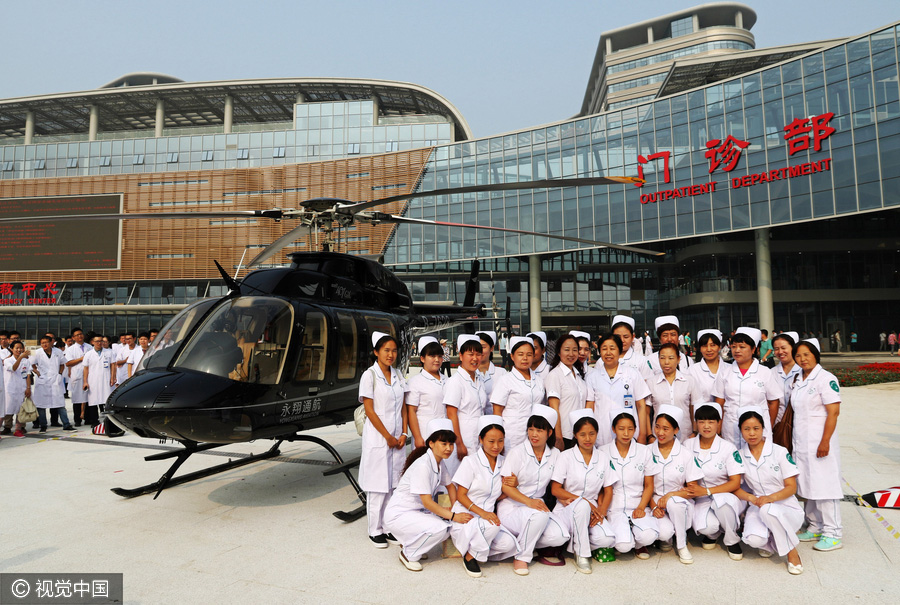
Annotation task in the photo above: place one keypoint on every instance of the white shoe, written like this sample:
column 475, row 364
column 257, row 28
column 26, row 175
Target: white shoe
column 765, row 554
column 583, row 564
column 665, row 546
column 410, row 565
column 520, row 568
column 795, row 570
column 685, row 556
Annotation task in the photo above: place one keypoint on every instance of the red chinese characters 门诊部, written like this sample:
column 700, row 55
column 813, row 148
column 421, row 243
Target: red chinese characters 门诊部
column 726, row 155
column 797, row 133
column 664, row 156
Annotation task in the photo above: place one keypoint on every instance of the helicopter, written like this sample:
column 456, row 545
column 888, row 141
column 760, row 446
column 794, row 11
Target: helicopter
column 283, row 351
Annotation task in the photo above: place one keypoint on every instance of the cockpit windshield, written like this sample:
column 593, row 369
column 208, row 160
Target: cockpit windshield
column 245, row 339
column 165, row 345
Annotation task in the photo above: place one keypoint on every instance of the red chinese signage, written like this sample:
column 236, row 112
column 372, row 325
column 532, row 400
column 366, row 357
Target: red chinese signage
column 47, row 294
column 799, row 135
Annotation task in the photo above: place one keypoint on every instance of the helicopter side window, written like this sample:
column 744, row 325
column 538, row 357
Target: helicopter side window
column 311, row 367
column 244, row 339
column 380, row 324
column 348, row 338
column 161, row 350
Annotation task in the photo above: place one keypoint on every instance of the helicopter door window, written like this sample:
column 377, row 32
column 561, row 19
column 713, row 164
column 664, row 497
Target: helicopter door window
column 167, row 343
column 348, row 339
column 380, row 324
column 311, row 367
column 244, row 339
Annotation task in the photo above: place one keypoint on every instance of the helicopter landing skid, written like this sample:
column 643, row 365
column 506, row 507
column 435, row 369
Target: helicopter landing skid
column 342, row 467
column 167, row 479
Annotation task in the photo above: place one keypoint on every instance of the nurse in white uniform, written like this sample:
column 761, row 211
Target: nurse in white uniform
column 746, row 382
column 464, row 397
column 539, row 364
column 523, row 511
column 716, row 509
column 16, row 383
column 674, row 387
column 517, row 392
column 622, row 386
column 566, row 388
column 673, row 487
column 382, row 391
column 648, row 344
column 425, row 399
column 704, row 372
column 490, row 373
column 816, row 400
column 584, row 350
column 668, row 329
column 478, row 486
column 786, row 369
column 770, row 482
column 413, row 514
column 631, row 355
column 633, row 525
column 583, row 486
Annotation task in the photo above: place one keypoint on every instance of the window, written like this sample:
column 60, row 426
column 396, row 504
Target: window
column 311, row 366
column 352, row 148
column 72, row 163
column 357, row 175
column 40, row 164
column 392, row 146
column 681, row 27
column 172, row 157
column 137, row 159
column 7, row 166
column 347, row 353
column 432, row 287
column 380, row 324
column 312, row 150
column 207, row 156
column 278, row 152
column 243, row 154
column 105, row 160
column 431, row 143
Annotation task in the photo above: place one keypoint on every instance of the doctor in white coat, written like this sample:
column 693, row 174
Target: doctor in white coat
column 48, row 365
column 99, row 378
column 382, row 391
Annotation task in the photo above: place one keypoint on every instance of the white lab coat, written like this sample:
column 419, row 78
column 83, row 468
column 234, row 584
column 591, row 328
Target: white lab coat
column 467, row 395
column 380, row 466
column 626, row 380
column 426, row 395
column 15, row 383
column 676, row 471
column 788, row 381
column 134, row 360
column 76, row 372
column 682, row 393
column 543, row 369
column 48, row 387
column 517, row 395
column 704, row 379
column 123, row 353
column 631, row 469
column 570, row 388
column 819, row 478
column 100, row 365
column 490, row 379
column 648, row 346
column 756, row 387
column 684, row 363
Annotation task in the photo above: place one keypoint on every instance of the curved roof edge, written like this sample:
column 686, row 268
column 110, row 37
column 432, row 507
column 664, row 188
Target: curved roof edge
column 142, row 78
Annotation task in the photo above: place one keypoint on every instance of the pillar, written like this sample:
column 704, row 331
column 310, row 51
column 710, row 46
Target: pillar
column 160, row 117
column 609, row 47
column 696, row 21
column 95, row 120
column 374, row 110
column 29, row 127
column 534, row 293
column 301, row 98
column 739, row 19
column 649, row 34
column 228, row 118
column 764, row 280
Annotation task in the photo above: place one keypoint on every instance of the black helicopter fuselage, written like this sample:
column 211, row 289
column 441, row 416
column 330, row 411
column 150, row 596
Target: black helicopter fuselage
column 283, row 353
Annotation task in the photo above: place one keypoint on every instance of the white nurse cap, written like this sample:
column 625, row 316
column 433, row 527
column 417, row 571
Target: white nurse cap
column 541, row 335
column 376, row 336
column 425, row 340
column 515, row 341
column 545, row 412
column 492, row 336
column 576, row 415
column 666, row 319
column 716, row 333
column 619, row 412
column 487, row 420
column 708, row 404
column 579, row 334
column 795, row 338
column 464, row 338
column 438, row 424
column 814, row 342
column 619, row 319
column 744, row 409
column 753, row 333
column 673, row 412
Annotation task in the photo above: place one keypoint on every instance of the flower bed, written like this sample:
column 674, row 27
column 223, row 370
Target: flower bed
column 871, row 373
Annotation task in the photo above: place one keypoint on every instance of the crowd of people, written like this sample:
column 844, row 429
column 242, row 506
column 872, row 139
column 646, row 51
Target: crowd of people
column 84, row 368
column 554, row 456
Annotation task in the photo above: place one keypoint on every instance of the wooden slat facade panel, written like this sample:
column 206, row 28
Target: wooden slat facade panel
column 225, row 243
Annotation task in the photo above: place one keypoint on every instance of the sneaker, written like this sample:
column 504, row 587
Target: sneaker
column 19, row 433
column 35, row 425
column 685, row 556
column 794, row 570
column 583, row 564
column 77, row 424
column 735, row 552
column 641, row 553
column 6, row 431
column 473, row 569
column 43, row 429
column 707, row 543
column 664, row 546
column 826, row 544
column 410, row 565
column 69, row 427
column 379, row 541
column 391, row 539
column 56, row 424
column 808, row 536
column 520, row 568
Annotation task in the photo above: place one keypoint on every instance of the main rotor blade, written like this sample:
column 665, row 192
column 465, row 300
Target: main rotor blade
column 273, row 248
column 273, row 214
column 539, row 184
column 393, row 218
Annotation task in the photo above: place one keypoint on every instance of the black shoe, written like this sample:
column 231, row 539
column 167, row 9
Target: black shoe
column 55, row 424
column 707, row 542
column 735, row 552
column 77, row 424
column 43, row 429
column 379, row 541
column 35, row 425
column 391, row 539
column 68, row 427
column 472, row 567
column 6, row 431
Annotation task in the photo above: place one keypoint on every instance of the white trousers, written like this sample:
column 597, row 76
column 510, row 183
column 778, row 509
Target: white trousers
column 679, row 514
column 376, row 503
column 576, row 518
column 772, row 527
column 532, row 528
column 824, row 517
column 418, row 531
column 634, row 533
column 483, row 540
column 721, row 513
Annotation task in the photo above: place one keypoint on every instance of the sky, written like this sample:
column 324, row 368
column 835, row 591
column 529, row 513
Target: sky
column 505, row 65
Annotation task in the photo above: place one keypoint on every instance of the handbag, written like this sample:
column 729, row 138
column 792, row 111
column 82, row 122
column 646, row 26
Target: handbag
column 783, row 431
column 359, row 418
column 28, row 412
